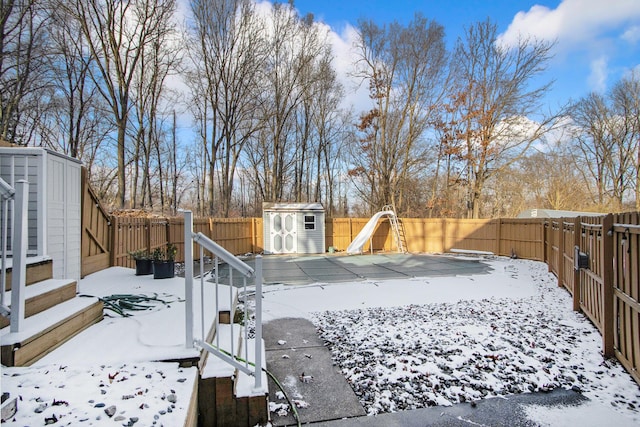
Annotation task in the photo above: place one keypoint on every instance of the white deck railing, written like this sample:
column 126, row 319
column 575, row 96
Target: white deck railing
column 19, row 231
column 247, row 273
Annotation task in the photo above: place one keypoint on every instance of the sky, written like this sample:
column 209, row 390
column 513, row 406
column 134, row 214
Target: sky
column 597, row 42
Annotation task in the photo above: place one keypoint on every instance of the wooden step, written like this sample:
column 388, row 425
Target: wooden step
column 49, row 329
column 227, row 306
column 42, row 296
column 38, row 269
column 226, row 396
column 252, row 406
column 215, row 388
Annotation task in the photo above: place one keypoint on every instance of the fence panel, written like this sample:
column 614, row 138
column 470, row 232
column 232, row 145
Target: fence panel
column 565, row 253
column 553, row 246
column 523, row 238
column 424, row 234
column 626, row 291
column 129, row 234
column 158, row 233
column 470, row 234
column 96, row 231
column 237, row 235
column 592, row 278
column 341, row 233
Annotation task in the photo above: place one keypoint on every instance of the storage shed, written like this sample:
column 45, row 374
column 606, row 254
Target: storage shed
column 55, row 196
column 291, row 228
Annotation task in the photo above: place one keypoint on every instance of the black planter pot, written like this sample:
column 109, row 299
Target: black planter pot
column 163, row 269
column 144, row 267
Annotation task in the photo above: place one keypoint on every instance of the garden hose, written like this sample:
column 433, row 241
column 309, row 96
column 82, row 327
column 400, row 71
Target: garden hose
column 122, row 304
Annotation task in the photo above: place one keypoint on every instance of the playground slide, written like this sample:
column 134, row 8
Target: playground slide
column 356, row 246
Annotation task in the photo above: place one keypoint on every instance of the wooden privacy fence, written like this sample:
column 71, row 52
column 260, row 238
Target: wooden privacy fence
column 237, row 235
column 521, row 237
column 96, row 231
column 597, row 259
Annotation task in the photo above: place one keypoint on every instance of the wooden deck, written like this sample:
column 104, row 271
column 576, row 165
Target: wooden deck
column 53, row 315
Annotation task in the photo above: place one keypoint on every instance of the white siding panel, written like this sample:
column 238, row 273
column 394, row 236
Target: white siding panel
column 64, row 216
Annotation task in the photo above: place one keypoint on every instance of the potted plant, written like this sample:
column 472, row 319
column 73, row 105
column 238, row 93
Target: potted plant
column 164, row 262
column 143, row 262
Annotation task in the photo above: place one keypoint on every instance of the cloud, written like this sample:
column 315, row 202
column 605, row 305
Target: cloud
column 632, row 35
column 599, row 74
column 574, row 22
column 342, row 45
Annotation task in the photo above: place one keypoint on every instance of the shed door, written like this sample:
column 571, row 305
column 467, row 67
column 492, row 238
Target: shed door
column 283, row 233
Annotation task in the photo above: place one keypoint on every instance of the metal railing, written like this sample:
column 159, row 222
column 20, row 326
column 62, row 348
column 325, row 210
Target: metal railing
column 19, row 196
column 246, row 272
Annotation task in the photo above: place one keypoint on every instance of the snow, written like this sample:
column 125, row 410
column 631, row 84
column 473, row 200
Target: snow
column 400, row 343
column 142, row 393
column 77, row 373
column 405, row 344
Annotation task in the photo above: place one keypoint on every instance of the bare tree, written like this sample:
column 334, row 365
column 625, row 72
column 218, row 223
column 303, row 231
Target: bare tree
column 626, row 98
column 24, row 68
column 153, row 105
column 492, row 97
column 74, row 120
column 117, row 33
column 227, row 50
column 606, row 133
column 294, row 48
column 404, row 67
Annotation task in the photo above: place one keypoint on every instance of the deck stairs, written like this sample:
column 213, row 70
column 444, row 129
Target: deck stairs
column 225, row 397
column 53, row 315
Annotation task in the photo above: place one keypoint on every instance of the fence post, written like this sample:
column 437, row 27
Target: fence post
column 560, row 251
column 606, row 257
column 19, row 247
column 545, row 242
column 114, row 240
column 577, row 232
column 443, row 241
column 147, row 234
column 498, row 235
column 188, row 278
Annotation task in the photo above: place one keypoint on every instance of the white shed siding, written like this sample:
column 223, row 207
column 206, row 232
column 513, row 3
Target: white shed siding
column 63, row 216
column 311, row 241
column 54, row 204
column 307, row 241
column 266, row 233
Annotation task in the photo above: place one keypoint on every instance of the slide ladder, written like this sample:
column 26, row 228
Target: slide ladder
column 367, row 232
column 398, row 229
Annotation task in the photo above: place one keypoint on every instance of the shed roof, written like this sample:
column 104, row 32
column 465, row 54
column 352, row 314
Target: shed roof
column 267, row 206
column 551, row 213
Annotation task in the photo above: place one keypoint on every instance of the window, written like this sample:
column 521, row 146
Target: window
column 309, row 222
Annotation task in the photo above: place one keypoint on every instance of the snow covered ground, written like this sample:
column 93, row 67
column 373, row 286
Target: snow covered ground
column 106, row 373
column 401, row 344
column 405, row 344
